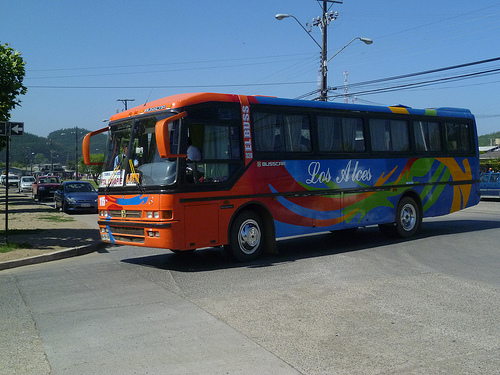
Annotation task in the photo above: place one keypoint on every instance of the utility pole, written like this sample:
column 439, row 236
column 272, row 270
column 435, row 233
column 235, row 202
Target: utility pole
column 125, row 101
column 324, row 52
column 323, row 23
column 76, row 153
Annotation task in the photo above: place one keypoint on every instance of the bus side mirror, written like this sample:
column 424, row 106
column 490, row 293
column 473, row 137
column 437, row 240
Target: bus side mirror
column 163, row 137
column 86, row 146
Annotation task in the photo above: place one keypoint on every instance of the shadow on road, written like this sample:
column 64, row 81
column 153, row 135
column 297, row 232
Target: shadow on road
column 290, row 250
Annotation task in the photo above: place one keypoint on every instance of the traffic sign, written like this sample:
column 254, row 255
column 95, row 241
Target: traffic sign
column 11, row 128
column 16, row 128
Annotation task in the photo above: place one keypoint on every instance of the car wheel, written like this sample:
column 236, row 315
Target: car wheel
column 246, row 237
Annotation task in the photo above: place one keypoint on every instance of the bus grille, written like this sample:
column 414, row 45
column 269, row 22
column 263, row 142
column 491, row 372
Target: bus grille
column 125, row 213
column 126, row 234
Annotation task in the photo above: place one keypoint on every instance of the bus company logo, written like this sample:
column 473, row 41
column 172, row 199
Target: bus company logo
column 247, row 135
column 271, row 164
column 349, row 173
column 158, row 108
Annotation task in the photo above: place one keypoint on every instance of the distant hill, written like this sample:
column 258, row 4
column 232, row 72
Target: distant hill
column 485, row 140
column 61, row 144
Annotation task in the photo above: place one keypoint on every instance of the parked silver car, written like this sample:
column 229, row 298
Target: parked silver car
column 25, row 183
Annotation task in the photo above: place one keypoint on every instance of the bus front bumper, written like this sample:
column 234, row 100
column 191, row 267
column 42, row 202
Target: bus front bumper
column 151, row 234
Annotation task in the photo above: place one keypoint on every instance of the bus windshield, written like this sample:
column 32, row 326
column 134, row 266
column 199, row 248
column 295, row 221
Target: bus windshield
column 132, row 157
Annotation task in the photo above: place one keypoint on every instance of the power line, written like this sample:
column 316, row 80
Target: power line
column 425, row 83
column 355, row 85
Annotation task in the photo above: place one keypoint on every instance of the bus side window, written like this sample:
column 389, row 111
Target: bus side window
column 340, row 134
column 389, row 135
column 458, row 137
column 221, row 153
column 281, row 133
column 427, row 136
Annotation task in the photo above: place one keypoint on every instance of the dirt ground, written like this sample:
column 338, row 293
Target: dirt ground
column 41, row 226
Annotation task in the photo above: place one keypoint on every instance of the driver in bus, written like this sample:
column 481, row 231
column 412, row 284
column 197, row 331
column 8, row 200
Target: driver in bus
column 193, row 152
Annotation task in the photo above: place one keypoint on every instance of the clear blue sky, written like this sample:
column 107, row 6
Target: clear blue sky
column 84, row 55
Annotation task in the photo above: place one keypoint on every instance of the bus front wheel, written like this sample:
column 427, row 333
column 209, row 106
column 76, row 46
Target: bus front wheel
column 246, row 237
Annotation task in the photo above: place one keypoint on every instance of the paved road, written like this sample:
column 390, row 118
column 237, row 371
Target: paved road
column 325, row 305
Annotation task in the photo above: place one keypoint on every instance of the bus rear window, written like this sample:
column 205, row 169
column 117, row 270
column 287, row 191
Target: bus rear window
column 458, row 137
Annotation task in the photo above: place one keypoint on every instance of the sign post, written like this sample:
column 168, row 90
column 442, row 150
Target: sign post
column 6, row 130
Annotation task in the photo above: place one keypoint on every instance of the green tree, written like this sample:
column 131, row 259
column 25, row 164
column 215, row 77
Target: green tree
column 11, row 82
column 94, row 170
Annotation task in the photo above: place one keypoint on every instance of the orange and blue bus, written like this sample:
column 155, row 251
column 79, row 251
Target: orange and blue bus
column 268, row 168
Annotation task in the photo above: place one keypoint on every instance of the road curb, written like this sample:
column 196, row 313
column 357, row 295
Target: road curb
column 56, row 255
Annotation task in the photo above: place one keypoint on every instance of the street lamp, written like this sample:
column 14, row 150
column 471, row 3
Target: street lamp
column 280, row 16
column 323, row 22
column 367, row 41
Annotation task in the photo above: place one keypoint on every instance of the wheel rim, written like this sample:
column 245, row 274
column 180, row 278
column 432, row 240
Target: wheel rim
column 249, row 236
column 408, row 217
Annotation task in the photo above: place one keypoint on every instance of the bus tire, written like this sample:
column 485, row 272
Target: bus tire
column 246, row 241
column 408, row 218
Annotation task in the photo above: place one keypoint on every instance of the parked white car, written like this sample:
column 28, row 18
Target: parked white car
column 13, row 180
column 25, row 184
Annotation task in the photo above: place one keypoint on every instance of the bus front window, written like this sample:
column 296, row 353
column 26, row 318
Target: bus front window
column 153, row 170
column 132, row 156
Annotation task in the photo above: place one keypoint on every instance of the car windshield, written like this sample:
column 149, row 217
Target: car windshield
column 79, row 187
column 28, row 179
column 49, row 180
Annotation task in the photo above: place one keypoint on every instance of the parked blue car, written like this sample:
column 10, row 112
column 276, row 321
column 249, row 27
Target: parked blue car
column 490, row 185
column 73, row 196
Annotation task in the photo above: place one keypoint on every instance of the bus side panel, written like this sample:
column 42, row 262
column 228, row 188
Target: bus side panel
column 201, row 225
column 363, row 191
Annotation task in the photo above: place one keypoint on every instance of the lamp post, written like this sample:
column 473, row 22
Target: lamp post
column 323, row 22
column 367, row 41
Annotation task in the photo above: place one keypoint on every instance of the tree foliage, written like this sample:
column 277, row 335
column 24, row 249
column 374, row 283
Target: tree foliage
column 11, row 82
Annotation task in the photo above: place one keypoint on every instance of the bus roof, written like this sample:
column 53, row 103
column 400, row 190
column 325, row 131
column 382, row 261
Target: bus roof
column 182, row 100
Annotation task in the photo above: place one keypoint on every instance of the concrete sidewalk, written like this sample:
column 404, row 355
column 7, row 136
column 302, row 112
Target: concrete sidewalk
column 47, row 233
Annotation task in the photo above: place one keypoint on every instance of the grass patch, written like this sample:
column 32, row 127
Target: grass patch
column 56, row 218
column 11, row 246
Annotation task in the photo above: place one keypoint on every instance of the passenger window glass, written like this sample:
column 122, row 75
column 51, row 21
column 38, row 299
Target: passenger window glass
column 340, row 134
column 221, row 155
column 458, row 137
column 494, row 178
column 427, row 136
column 389, row 135
column 281, row 133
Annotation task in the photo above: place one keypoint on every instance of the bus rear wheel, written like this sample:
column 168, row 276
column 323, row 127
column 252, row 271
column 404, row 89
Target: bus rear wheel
column 408, row 220
column 246, row 237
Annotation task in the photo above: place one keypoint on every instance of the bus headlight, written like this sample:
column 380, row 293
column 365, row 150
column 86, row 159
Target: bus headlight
column 153, row 214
